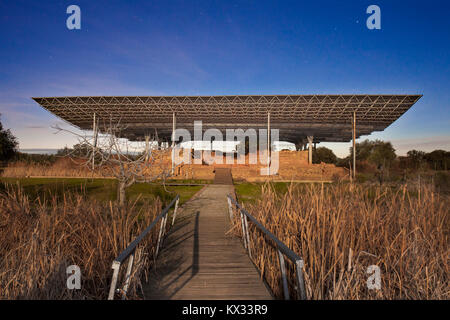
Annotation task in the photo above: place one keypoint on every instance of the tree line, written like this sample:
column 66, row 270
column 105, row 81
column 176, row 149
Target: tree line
column 381, row 154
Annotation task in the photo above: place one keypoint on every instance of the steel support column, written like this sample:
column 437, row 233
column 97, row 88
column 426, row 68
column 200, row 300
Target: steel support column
column 354, row 144
column 310, row 148
column 94, row 143
column 147, row 148
column 268, row 143
column 174, row 123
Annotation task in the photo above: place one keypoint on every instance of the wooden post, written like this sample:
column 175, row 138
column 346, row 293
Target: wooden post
column 354, row 144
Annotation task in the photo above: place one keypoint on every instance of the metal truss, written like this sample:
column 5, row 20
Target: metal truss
column 326, row 117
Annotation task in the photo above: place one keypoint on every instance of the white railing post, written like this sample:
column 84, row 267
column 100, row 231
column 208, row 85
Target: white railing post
column 159, row 236
column 243, row 231
column 112, row 288
column 283, row 275
column 128, row 275
column 230, row 209
column 300, row 280
column 248, row 237
column 175, row 211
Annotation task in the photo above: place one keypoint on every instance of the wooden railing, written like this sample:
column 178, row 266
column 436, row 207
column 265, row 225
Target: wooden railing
column 282, row 249
column 128, row 253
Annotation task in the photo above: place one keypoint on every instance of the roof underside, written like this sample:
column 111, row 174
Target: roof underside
column 326, row 117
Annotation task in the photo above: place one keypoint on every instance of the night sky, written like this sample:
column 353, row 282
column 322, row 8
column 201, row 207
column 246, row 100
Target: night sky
column 226, row 48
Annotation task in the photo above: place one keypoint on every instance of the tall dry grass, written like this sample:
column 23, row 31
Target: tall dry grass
column 63, row 167
column 38, row 240
column 340, row 230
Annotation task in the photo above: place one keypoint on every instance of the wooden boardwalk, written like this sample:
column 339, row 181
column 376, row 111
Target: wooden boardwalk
column 200, row 261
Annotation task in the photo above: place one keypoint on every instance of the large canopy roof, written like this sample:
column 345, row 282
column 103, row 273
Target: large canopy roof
column 326, row 117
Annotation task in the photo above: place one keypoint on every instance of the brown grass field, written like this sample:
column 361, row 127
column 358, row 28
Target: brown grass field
column 39, row 239
column 339, row 230
column 63, row 167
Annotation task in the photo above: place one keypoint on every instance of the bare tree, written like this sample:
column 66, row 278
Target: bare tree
column 109, row 154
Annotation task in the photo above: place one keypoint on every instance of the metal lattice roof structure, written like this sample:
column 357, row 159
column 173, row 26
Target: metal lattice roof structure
column 326, row 117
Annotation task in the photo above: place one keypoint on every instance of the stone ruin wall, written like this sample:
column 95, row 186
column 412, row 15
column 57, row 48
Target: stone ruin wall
column 293, row 165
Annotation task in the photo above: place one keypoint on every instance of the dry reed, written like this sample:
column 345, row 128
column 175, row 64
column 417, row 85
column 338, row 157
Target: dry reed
column 63, row 167
column 340, row 230
column 38, row 240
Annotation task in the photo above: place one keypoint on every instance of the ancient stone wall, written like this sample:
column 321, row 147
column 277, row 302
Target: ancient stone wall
column 293, row 165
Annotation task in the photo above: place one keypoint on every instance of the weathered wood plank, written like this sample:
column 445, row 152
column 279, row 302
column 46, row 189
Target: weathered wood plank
column 200, row 261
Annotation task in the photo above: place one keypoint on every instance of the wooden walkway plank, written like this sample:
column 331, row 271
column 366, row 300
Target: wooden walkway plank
column 200, row 261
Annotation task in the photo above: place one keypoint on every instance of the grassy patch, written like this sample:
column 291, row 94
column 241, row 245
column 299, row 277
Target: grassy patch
column 251, row 192
column 166, row 194
column 100, row 189
column 248, row 192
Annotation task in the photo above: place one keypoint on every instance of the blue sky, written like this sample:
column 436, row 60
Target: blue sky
column 225, row 48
